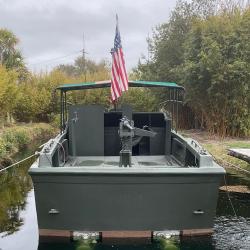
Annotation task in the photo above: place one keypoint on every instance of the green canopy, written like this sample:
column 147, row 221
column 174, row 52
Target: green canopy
column 105, row 84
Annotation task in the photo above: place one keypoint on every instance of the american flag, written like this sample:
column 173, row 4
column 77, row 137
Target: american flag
column 119, row 78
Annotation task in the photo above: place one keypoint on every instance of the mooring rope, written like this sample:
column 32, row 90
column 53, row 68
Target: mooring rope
column 227, row 191
column 17, row 163
column 228, row 196
column 230, row 164
column 232, row 206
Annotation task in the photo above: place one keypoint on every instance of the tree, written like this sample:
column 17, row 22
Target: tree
column 8, row 92
column 35, row 99
column 205, row 47
column 84, row 67
column 10, row 56
column 216, row 72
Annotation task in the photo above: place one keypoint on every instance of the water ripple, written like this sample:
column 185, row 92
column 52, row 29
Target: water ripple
column 232, row 233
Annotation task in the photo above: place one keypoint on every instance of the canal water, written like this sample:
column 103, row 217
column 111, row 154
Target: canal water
column 18, row 222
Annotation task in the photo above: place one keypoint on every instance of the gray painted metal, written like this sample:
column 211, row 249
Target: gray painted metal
column 88, row 130
column 125, row 201
column 172, row 182
column 130, row 136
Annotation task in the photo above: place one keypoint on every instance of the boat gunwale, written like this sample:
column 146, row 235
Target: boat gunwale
column 81, row 170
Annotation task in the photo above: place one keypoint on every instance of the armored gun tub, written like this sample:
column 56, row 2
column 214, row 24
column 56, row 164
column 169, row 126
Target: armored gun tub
column 123, row 170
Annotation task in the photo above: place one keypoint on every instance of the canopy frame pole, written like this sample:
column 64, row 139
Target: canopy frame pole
column 65, row 108
column 61, row 110
column 177, row 110
column 172, row 107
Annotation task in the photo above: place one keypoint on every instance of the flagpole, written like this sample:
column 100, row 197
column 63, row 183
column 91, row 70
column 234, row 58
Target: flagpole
column 117, row 23
column 116, row 101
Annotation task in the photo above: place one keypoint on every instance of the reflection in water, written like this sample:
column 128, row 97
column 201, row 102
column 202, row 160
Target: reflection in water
column 14, row 183
column 169, row 244
column 175, row 243
column 240, row 201
column 230, row 232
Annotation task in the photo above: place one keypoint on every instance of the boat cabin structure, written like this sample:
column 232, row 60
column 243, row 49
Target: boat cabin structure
column 121, row 170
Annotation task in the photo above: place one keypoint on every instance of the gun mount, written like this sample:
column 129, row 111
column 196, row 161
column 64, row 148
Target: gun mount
column 130, row 136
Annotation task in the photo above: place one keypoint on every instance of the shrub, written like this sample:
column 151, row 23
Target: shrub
column 22, row 137
column 16, row 138
column 2, row 148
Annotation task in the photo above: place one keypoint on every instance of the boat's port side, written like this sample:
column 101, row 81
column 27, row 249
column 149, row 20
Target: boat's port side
column 55, row 153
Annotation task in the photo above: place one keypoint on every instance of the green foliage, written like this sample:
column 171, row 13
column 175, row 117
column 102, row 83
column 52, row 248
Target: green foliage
column 8, row 53
column 14, row 138
column 10, row 56
column 217, row 75
column 55, row 120
column 141, row 99
column 239, row 144
column 205, row 47
column 8, row 91
column 2, row 148
column 82, row 67
column 35, row 101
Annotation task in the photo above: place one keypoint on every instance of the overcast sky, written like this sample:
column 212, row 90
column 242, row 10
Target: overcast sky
column 50, row 29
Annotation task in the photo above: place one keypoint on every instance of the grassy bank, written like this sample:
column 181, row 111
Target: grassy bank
column 17, row 137
column 218, row 147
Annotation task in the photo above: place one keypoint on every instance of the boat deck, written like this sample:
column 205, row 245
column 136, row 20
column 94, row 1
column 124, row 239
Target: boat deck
column 158, row 161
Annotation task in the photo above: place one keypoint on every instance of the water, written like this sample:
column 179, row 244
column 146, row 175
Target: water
column 18, row 222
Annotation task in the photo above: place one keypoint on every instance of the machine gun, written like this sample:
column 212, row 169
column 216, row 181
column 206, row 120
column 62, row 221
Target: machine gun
column 130, row 136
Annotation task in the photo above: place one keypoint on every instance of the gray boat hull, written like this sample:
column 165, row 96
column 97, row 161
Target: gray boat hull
column 171, row 199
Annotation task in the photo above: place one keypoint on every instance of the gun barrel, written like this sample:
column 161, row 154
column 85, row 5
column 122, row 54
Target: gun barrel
column 143, row 132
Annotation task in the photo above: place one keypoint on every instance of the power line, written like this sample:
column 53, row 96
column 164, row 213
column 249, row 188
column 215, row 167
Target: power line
column 56, row 58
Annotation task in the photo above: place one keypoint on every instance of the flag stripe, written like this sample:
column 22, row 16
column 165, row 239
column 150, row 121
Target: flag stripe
column 115, row 85
column 119, row 78
column 116, row 78
column 118, row 69
column 124, row 67
column 123, row 70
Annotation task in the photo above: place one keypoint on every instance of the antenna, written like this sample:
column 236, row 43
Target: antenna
column 83, row 56
column 148, row 47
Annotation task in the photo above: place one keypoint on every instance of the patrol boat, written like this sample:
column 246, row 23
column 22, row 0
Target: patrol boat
column 120, row 170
